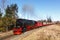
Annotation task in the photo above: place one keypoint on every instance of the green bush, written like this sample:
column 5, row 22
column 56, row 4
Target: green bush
column 2, row 29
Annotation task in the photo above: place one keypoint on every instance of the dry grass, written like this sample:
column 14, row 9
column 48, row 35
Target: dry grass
column 6, row 34
column 48, row 33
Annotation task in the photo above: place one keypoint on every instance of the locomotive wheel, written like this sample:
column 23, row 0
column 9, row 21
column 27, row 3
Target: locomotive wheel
column 24, row 30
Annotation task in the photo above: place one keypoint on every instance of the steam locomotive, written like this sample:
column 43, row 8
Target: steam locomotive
column 23, row 25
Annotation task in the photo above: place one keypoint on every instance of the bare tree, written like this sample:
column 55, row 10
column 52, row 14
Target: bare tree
column 49, row 19
column 3, row 4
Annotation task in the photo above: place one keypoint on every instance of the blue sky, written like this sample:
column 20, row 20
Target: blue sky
column 42, row 8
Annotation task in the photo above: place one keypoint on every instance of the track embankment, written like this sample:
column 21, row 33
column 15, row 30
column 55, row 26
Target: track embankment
column 51, row 32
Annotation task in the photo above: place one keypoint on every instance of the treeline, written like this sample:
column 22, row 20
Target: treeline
column 9, row 18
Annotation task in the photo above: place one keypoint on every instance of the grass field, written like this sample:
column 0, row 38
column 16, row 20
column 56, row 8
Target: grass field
column 47, row 33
